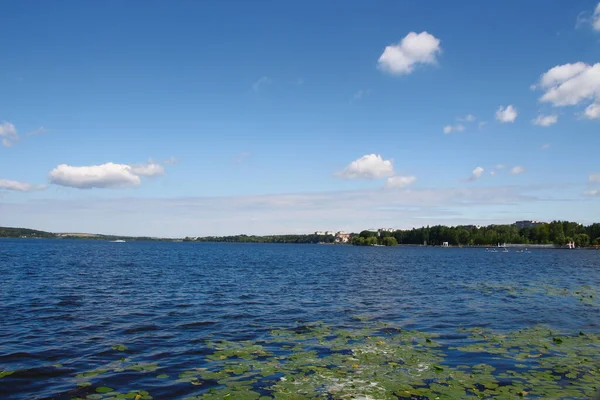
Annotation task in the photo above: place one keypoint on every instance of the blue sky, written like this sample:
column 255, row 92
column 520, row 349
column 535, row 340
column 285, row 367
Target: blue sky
column 198, row 118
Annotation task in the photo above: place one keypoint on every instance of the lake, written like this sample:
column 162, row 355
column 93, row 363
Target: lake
column 140, row 320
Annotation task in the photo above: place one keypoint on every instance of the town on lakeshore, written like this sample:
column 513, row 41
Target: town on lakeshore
column 526, row 233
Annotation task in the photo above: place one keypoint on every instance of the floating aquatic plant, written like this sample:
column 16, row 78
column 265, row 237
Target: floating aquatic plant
column 381, row 361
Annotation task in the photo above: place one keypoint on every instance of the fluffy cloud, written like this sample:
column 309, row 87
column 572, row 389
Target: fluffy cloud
column 571, row 85
column 517, row 170
column 6, row 184
column 545, row 120
column 413, row 49
column 506, row 114
column 8, row 134
column 476, row 174
column 594, row 177
column 453, row 128
column 108, row 175
column 396, row 182
column 369, row 166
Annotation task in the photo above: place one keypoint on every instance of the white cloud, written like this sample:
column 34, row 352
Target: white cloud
column 481, row 124
column 517, row 170
column 560, row 74
column 594, row 177
column 500, row 166
column 263, row 81
column 467, row 118
column 453, row 128
column 546, row 146
column 369, row 166
column 396, row 182
column 476, row 174
column 594, row 192
column 19, row 186
column 108, row 175
column 571, row 85
column 596, row 18
column 506, row 114
column 545, row 120
column 592, row 111
column 8, row 133
column 413, row 49
column 492, row 172
column 148, row 169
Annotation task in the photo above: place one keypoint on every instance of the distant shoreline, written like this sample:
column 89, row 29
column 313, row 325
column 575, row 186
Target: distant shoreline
column 536, row 235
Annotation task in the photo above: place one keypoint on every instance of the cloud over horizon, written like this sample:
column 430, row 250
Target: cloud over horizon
column 397, row 182
column 268, row 214
column 6, row 184
column 414, row 49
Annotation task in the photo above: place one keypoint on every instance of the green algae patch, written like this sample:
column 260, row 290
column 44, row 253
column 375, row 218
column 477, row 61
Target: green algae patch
column 6, row 373
column 381, row 361
column 119, row 347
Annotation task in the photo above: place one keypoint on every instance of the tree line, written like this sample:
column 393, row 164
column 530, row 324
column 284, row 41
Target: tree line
column 557, row 233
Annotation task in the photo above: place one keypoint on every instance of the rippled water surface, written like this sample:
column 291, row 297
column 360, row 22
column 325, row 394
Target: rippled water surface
column 68, row 307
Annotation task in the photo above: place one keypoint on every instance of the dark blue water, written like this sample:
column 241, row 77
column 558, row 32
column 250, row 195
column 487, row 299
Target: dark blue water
column 64, row 304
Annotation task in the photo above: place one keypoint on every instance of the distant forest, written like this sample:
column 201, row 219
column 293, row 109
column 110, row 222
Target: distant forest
column 557, row 233
column 22, row 232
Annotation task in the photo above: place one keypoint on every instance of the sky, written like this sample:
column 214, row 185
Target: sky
column 196, row 118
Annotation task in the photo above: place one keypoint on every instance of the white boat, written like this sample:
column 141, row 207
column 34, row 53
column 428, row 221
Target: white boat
column 118, row 241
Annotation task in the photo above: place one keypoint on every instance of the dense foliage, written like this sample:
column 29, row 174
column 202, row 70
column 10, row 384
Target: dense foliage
column 22, row 232
column 557, row 232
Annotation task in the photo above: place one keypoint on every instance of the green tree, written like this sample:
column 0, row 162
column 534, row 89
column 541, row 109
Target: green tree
column 390, row 241
column 582, row 240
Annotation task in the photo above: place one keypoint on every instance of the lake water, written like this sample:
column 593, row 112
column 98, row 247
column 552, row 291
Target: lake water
column 100, row 320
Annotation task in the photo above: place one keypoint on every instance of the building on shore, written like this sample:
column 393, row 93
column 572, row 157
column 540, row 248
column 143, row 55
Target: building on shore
column 527, row 224
column 342, row 237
